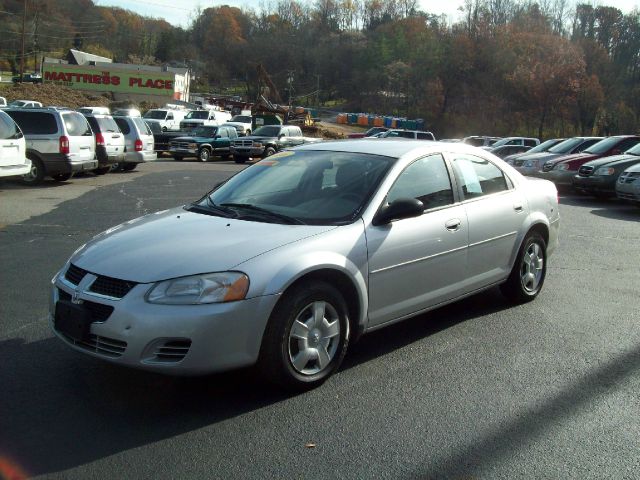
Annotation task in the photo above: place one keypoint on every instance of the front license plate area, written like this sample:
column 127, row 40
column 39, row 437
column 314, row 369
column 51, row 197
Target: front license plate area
column 72, row 320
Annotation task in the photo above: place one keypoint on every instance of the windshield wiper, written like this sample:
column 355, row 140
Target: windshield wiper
column 210, row 208
column 264, row 211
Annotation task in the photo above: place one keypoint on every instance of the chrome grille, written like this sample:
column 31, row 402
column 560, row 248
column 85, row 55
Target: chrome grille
column 172, row 351
column 75, row 274
column 243, row 143
column 111, row 287
column 190, row 125
column 99, row 312
column 109, row 347
column 586, row 171
column 629, row 177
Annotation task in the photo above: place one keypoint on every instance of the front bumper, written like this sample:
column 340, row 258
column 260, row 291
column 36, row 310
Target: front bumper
column 629, row 191
column 595, row 184
column 213, row 337
column 559, row 177
column 246, row 151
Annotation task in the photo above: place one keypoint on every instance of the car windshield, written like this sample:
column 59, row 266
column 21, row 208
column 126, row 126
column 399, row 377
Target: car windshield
column 17, row 103
column 204, row 131
column 268, row 131
column 155, row 114
column 311, row 187
column 241, row 119
column 603, row 146
column 635, row 150
column 568, row 145
column 501, row 142
column 198, row 115
column 544, row 146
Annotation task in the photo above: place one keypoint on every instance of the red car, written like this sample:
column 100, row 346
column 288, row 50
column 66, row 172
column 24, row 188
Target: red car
column 561, row 170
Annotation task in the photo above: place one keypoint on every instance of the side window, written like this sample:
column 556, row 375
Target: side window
column 530, row 142
column 427, row 180
column 123, row 124
column 233, row 133
column 223, row 133
column 170, row 116
column 76, row 125
column 407, row 134
column 586, row 144
column 8, row 128
column 425, row 136
column 514, row 142
column 35, row 123
column 627, row 144
column 478, row 177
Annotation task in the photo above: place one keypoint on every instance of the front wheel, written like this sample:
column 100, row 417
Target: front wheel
column 306, row 337
column 36, row 174
column 239, row 159
column 204, row 154
column 102, row 170
column 268, row 152
column 529, row 271
column 127, row 167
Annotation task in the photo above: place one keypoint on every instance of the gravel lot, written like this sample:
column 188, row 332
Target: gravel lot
column 479, row 389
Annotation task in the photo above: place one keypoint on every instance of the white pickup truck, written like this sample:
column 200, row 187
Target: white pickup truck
column 167, row 119
column 207, row 118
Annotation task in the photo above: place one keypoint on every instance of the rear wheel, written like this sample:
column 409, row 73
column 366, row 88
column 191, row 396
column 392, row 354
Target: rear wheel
column 239, row 159
column 102, row 170
column 268, row 152
column 306, row 337
column 36, row 174
column 529, row 271
column 127, row 167
column 204, row 154
column 62, row 177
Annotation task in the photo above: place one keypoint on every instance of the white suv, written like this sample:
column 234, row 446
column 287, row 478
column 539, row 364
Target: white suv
column 12, row 148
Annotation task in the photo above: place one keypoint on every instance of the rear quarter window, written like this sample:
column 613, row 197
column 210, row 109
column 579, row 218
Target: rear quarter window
column 142, row 126
column 35, row 123
column 124, row 125
column 8, row 128
column 76, row 125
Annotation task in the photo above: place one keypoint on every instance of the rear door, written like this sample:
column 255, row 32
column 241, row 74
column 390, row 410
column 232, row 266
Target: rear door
column 125, row 128
column 145, row 134
column 81, row 139
column 113, row 137
column 11, row 142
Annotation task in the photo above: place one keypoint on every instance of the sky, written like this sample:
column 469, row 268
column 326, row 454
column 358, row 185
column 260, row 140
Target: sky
column 177, row 12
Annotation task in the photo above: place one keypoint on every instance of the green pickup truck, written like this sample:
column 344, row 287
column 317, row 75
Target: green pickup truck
column 203, row 143
column 268, row 140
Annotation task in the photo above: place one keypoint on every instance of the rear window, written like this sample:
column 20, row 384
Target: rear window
column 76, row 125
column 123, row 124
column 107, row 124
column 142, row 126
column 8, row 128
column 35, row 123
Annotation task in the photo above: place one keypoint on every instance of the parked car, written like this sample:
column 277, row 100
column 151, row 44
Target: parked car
column 598, row 177
column 3, row 102
column 204, row 142
column 139, row 142
column 529, row 142
column 28, row 78
column 292, row 259
column 242, row 124
column 168, row 119
column 543, row 147
column 369, row 133
column 480, row 140
column 94, row 110
column 58, row 142
column 506, row 150
column 267, row 140
column 25, row 104
column 531, row 163
column 561, row 170
column 110, row 143
column 628, row 185
column 412, row 134
column 126, row 112
column 13, row 160
column 210, row 118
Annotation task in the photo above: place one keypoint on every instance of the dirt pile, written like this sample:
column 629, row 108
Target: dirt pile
column 49, row 94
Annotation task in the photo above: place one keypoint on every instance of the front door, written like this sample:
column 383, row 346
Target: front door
column 420, row 262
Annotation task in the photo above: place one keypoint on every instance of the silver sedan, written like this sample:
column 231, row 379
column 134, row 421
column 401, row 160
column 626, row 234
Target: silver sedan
column 294, row 258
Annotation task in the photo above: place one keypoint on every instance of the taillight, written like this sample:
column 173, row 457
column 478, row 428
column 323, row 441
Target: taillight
column 64, row 145
column 138, row 145
column 99, row 140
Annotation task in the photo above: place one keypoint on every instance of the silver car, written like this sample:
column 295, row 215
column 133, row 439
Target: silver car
column 292, row 259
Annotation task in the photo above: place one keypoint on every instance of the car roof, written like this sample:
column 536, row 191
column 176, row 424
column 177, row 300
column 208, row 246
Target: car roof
column 390, row 147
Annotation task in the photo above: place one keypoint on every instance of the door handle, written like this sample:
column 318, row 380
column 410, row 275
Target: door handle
column 518, row 207
column 453, row 225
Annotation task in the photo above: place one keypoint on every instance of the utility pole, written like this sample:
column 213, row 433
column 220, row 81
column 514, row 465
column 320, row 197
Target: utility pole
column 290, row 83
column 318, row 91
column 24, row 19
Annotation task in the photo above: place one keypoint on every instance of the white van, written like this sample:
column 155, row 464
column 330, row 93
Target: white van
column 167, row 119
column 204, row 118
column 12, row 148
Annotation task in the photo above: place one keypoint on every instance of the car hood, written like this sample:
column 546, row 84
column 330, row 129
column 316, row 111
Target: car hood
column 612, row 161
column 176, row 243
column 583, row 157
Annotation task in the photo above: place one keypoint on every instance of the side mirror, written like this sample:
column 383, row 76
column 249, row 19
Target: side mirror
column 398, row 210
column 281, row 136
column 218, row 136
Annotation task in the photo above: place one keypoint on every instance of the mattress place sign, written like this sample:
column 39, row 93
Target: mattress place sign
column 91, row 78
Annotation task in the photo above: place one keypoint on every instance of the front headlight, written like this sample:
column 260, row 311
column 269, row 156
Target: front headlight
column 198, row 289
column 562, row 166
column 605, row 171
column 193, row 145
column 257, row 145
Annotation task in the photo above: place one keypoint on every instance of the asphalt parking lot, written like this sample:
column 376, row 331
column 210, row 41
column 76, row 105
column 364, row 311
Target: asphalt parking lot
column 479, row 389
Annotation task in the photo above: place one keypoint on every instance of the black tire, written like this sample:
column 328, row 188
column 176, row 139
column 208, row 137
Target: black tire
column 128, row 167
column 516, row 288
column 102, row 170
column 239, row 159
column 277, row 350
column 36, row 175
column 268, row 152
column 62, row 177
column 204, row 154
